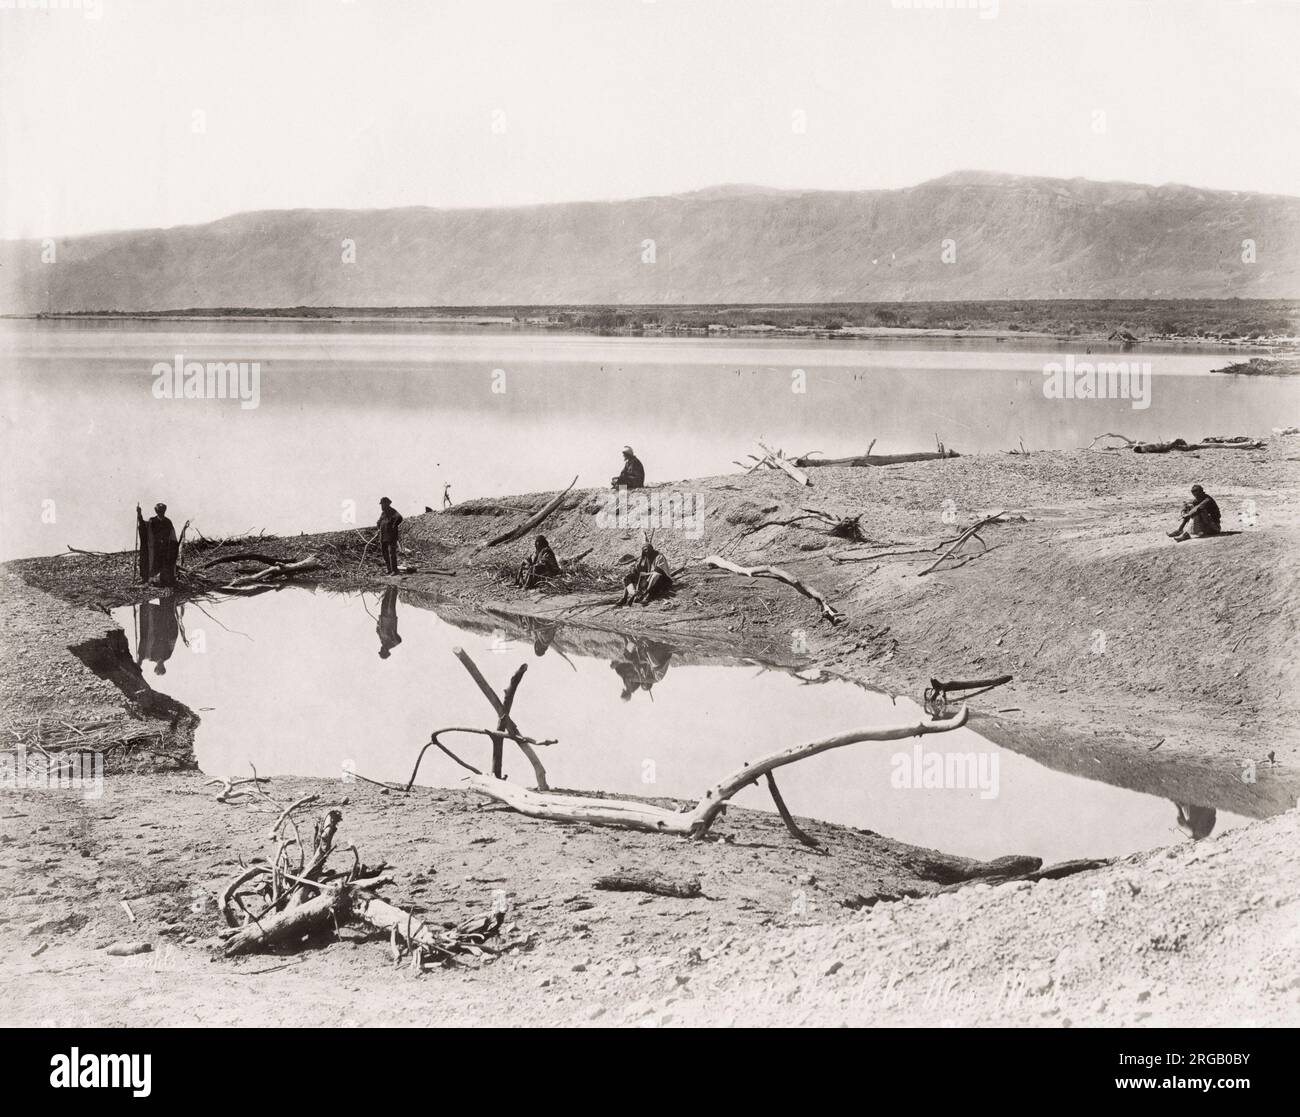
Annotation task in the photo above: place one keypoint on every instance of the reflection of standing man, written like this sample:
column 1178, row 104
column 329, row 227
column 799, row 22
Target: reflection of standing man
column 1195, row 821
column 158, row 633
column 390, row 519
column 387, row 626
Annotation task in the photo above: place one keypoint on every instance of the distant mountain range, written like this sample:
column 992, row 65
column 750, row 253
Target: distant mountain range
column 968, row 235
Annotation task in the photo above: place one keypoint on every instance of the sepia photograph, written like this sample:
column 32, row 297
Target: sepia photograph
column 648, row 514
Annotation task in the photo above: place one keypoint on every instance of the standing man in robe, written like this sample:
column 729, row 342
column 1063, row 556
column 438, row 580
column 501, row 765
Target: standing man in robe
column 158, row 541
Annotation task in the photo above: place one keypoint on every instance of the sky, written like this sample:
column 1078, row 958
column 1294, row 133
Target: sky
column 139, row 113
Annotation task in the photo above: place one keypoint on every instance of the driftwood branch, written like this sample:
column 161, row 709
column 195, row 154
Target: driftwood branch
column 779, row 460
column 869, row 459
column 655, row 883
column 785, row 814
column 971, row 532
column 828, row 612
column 533, row 521
column 271, row 573
column 644, row 816
column 506, row 722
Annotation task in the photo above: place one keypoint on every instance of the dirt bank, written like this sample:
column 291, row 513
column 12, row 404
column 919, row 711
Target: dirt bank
column 1166, row 667
column 1202, row 934
column 1128, row 650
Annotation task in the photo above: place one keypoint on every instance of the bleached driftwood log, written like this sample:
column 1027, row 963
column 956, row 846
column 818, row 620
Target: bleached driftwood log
column 780, row 461
column 505, row 724
column 271, row 573
column 878, row 459
column 292, row 925
column 828, row 611
column 533, row 521
column 644, row 816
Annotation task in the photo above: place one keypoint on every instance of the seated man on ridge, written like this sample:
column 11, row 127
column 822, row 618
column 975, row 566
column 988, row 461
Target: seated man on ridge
column 1202, row 513
column 633, row 472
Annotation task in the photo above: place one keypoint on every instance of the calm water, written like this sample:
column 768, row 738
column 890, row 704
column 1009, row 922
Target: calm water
column 294, row 682
column 350, row 413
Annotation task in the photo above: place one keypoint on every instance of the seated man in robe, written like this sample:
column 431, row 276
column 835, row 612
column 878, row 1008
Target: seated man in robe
column 542, row 563
column 632, row 475
column 651, row 577
column 1202, row 513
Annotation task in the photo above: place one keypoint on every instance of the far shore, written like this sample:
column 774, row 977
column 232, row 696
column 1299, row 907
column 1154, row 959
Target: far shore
column 846, row 333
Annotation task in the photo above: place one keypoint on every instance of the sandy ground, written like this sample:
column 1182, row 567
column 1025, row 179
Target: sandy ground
column 1167, row 667
column 1206, row 934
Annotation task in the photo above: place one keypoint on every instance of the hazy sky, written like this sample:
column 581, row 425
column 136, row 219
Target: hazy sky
column 164, row 112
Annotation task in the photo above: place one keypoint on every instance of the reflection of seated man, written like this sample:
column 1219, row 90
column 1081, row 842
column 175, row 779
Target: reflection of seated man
column 644, row 663
column 543, row 637
column 387, row 626
column 1196, row 822
column 158, row 633
column 651, row 577
column 1202, row 513
column 542, row 563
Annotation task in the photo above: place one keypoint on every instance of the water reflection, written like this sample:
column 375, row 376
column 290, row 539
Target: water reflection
column 291, row 681
column 386, row 626
column 642, row 665
column 158, row 628
column 1196, row 822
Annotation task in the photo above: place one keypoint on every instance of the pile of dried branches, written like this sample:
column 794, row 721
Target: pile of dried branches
column 824, row 523
column 945, row 549
column 297, row 897
column 775, row 459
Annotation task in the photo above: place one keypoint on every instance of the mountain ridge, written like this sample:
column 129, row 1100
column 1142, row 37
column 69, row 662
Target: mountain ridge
column 967, row 235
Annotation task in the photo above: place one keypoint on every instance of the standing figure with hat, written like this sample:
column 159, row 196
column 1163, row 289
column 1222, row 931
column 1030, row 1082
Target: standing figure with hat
column 390, row 519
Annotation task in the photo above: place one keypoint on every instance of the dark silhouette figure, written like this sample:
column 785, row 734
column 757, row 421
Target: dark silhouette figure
column 632, row 475
column 542, row 563
column 1202, row 513
column 159, row 546
column 387, row 626
column 390, row 519
column 159, row 631
column 1196, row 822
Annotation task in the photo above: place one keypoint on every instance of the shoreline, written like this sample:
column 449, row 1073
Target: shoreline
column 1101, row 335
column 1170, row 709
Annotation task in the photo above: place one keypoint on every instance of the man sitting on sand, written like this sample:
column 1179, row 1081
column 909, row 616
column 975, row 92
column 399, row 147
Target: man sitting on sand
column 649, row 578
column 1202, row 513
column 542, row 563
column 633, row 473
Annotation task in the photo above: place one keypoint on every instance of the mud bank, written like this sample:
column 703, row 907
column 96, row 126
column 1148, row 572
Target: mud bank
column 1169, row 668
column 1128, row 651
